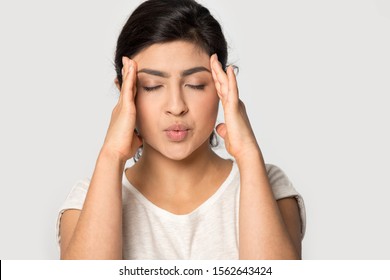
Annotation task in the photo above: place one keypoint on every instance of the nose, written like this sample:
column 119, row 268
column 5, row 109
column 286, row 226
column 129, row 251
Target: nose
column 176, row 105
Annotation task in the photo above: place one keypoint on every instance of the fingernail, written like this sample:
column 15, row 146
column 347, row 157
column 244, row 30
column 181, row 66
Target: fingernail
column 216, row 56
column 123, row 60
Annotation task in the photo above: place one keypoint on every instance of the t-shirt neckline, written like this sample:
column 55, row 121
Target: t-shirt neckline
column 197, row 211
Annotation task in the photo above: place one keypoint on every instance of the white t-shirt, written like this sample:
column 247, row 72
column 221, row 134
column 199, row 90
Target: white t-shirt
column 208, row 232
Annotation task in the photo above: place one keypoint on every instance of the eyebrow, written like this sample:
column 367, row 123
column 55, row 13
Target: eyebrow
column 184, row 73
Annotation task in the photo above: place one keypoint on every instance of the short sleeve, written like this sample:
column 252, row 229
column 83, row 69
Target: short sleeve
column 283, row 188
column 74, row 200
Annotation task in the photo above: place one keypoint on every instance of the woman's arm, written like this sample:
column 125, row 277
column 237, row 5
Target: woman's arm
column 291, row 215
column 95, row 232
column 265, row 230
column 268, row 229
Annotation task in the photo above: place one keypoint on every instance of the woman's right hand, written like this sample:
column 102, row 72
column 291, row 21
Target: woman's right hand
column 121, row 139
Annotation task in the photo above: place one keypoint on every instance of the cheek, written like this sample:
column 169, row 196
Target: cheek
column 207, row 109
column 209, row 103
column 212, row 108
column 144, row 112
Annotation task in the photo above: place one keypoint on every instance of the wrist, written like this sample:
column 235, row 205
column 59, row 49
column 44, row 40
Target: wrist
column 112, row 156
column 248, row 154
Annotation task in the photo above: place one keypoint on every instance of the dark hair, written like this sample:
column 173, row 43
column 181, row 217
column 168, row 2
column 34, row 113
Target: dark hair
column 162, row 21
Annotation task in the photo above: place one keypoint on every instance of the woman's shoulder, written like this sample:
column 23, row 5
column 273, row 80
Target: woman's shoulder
column 79, row 189
column 276, row 175
column 281, row 185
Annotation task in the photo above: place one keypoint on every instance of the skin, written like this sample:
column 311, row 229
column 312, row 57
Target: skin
column 164, row 85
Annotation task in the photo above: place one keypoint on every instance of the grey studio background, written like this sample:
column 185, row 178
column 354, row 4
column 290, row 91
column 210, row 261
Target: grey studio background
column 315, row 77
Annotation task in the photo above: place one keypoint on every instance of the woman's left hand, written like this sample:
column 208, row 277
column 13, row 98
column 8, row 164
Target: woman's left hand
column 237, row 132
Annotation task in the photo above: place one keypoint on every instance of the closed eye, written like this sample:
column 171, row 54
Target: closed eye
column 197, row 87
column 152, row 88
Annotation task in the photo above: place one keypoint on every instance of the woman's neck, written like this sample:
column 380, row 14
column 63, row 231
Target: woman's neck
column 179, row 186
column 185, row 172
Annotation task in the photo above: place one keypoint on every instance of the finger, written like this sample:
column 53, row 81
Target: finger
column 216, row 83
column 127, row 90
column 221, row 130
column 221, row 77
column 233, row 89
column 124, row 71
column 134, row 78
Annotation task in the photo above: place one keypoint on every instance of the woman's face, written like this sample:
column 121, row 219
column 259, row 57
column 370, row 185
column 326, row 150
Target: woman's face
column 176, row 100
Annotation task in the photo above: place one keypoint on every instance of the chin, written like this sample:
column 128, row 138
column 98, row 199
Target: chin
column 178, row 154
column 179, row 151
column 183, row 152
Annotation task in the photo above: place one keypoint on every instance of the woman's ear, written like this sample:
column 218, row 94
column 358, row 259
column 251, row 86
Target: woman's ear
column 116, row 81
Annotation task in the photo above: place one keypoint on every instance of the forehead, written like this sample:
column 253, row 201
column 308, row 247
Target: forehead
column 172, row 56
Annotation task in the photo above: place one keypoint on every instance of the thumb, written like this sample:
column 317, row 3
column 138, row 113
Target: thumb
column 221, row 130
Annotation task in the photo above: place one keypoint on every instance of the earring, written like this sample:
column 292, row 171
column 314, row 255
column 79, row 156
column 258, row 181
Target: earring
column 138, row 154
column 213, row 139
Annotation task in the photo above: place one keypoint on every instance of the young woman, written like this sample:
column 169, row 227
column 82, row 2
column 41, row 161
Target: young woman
column 180, row 200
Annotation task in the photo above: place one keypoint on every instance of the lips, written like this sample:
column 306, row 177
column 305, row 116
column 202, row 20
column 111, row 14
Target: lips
column 177, row 132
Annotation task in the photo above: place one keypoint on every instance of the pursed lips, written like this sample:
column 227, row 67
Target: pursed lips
column 177, row 127
column 177, row 132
